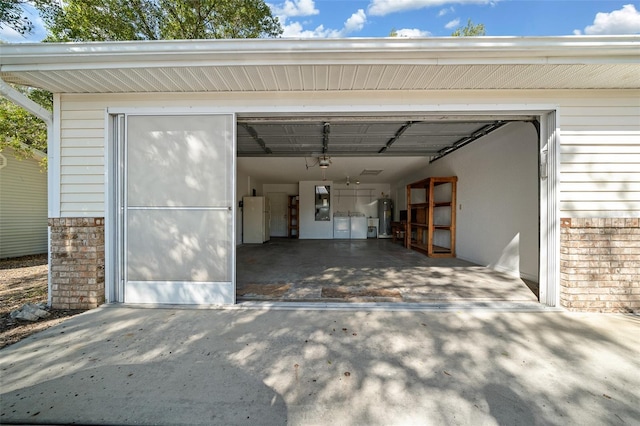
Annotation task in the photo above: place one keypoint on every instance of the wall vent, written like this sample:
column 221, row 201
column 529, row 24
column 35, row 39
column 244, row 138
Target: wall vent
column 370, row 172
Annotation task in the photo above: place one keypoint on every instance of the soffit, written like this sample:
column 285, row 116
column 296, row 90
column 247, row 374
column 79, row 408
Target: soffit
column 281, row 65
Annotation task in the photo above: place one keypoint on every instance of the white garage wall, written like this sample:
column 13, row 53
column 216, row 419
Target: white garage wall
column 309, row 227
column 600, row 136
column 497, row 225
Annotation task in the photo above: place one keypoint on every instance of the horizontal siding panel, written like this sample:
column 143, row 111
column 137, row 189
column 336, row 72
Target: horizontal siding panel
column 601, row 196
column 83, row 170
column 83, row 143
column 84, row 124
column 82, row 133
column 82, row 152
column 604, row 206
column 81, row 198
column 630, row 177
column 601, row 185
column 632, row 158
column 603, row 120
column 83, row 189
column 600, row 138
column 91, row 114
column 597, row 168
column 599, row 149
column 82, row 161
column 630, row 110
column 23, row 207
column 82, row 179
column 82, row 209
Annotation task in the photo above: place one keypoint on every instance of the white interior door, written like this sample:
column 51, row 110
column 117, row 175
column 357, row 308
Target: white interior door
column 178, row 209
column 279, row 205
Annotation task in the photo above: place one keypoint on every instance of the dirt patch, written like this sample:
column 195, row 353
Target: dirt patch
column 350, row 293
column 24, row 280
column 263, row 290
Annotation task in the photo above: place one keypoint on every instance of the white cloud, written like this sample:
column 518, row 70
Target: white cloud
column 622, row 21
column 412, row 32
column 453, row 24
column 294, row 8
column 355, row 23
column 385, row 7
column 446, row 11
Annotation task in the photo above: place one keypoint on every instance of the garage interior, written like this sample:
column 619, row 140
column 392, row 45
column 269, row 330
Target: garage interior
column 365, row 158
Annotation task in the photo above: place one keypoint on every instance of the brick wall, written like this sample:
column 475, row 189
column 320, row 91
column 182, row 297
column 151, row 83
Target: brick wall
column 600, row 265
column 77, row 262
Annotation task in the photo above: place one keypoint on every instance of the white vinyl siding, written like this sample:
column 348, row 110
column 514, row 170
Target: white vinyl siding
column 23, row 207
column 599, row 136
column 600, row 157
column 81, row 161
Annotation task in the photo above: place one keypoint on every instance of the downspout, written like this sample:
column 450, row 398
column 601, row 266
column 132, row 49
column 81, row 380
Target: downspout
column 42, row 113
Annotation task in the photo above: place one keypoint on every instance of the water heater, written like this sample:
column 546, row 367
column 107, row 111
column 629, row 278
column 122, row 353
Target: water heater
column 385, row 214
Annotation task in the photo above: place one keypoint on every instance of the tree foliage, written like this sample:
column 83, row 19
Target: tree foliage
column 111, row 20
column 470, row 30
column 21, row 130
column 13, row 13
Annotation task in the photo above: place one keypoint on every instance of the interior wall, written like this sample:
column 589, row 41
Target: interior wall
column 288, row 188
column 497, row 199
column 309, row 227
column 362, row 198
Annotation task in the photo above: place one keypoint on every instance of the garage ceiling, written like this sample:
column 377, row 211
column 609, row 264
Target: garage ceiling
column 357, row 137
column 369, row 149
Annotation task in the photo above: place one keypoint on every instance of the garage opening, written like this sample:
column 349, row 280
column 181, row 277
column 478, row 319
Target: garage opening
column 362, row 161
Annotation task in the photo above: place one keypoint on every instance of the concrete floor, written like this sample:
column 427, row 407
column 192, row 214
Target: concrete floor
column 374, row 270
column 118, row 365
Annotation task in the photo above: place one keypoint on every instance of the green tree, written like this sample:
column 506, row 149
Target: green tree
column 470, row 30
column 21, row 130
column 13, row 13
column 110, row 20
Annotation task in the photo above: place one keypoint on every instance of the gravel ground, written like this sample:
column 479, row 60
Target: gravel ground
column 24, row 280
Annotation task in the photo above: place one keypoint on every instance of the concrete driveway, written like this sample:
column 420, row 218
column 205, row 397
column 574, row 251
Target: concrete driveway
column 117, row 365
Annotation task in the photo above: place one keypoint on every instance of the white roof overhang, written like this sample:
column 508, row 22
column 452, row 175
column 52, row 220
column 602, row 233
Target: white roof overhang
column 280, row 65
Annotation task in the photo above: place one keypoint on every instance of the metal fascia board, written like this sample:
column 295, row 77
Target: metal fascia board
column 286, row 51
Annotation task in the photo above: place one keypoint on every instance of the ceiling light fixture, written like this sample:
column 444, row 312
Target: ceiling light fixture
column 324, row 162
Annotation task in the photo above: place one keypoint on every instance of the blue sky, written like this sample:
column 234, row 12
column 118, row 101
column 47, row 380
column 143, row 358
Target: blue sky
column 437, row 18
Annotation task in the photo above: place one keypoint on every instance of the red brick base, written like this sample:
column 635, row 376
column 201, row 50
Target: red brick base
column 77, row 263
column 600, row 265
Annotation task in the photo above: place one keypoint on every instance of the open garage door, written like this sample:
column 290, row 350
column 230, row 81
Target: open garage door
column 495, row 154
column 177, row 239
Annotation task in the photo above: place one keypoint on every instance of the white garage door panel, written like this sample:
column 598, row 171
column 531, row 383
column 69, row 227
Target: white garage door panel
column 178, row 245
column 179, row 293
column 178, row 209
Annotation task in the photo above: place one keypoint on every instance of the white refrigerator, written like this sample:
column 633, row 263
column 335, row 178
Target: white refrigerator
column 256, row 220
